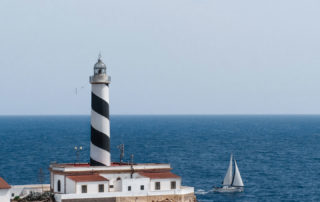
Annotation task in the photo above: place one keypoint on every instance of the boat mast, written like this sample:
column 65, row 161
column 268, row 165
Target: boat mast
column 234, row 172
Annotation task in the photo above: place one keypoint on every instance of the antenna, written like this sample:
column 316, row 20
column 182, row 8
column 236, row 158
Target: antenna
column 131, row 162
column 99, row 56
column 121, row 148
column 41, row 178
column 78, row 149
column 131, row 159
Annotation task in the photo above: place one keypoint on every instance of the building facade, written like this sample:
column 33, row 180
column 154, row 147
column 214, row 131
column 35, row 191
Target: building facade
column 117, row 182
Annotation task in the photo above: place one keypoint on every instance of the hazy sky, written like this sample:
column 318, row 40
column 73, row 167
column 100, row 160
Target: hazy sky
column 164, row 56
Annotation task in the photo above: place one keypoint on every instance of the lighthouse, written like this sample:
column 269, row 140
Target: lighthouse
column 100, row 124
column 101, row 180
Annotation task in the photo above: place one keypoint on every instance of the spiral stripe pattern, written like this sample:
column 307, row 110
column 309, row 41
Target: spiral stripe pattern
column 100, row 126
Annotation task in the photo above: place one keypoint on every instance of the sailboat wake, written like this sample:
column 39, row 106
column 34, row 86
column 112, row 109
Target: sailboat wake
column 202, row 192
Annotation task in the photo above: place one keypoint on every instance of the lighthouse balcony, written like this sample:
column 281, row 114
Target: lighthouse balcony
column 100, row 78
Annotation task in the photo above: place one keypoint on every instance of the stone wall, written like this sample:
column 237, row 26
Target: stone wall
column 91, row 200
column 162, row 198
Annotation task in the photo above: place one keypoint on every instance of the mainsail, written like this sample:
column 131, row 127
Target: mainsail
column 228, row 178
column 237, row 180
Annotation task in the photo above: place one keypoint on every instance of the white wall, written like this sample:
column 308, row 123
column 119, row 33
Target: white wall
column 55, row 185
column 135, row 184
column 92, row 187
column 149, row 185
column 165, row 184
column 5, row 195
column 117, row 184
column 70, row 186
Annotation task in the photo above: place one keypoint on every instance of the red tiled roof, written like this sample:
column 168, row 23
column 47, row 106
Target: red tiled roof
column 4, row 184
column 159, row 175
column 87, row 178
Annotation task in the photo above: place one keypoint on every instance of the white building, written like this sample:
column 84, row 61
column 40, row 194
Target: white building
column 4, row 191
column 102, row 180
column 138, row 182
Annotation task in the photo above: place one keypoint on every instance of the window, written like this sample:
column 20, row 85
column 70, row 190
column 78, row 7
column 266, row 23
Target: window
column 173, row 184
column 84, row 189
column 59, row 186
column 111, row 186
column 157, row 186
column 101, row 187
column 129, row 188
column 142, row 187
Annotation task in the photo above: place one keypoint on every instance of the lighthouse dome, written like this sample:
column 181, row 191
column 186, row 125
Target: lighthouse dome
column 100, row 64
column 100, row 67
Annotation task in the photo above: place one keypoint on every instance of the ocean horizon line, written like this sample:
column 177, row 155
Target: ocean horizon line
column 30, row 115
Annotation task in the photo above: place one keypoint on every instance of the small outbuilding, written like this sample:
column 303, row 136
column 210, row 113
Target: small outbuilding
column 4, row 191
column 91, row 184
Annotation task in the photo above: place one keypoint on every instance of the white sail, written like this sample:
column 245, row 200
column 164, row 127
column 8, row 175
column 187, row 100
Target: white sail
column 228, row 178
column 237, row 180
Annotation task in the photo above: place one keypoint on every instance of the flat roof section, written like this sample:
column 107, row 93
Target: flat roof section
column 115, row 167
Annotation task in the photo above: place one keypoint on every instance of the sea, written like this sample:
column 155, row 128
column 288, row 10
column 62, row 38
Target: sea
column 278, row 155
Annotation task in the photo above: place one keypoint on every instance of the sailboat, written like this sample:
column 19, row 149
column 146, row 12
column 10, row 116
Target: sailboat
column 232, row 182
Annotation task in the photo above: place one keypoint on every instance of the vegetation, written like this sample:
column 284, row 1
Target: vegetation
column 36, row 197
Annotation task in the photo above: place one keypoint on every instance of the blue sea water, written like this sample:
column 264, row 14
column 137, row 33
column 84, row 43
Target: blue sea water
column 278, row 156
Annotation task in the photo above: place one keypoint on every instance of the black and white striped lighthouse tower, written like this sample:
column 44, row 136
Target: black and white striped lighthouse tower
column 100, row 125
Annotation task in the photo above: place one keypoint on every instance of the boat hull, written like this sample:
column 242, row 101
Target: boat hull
column 228, row 189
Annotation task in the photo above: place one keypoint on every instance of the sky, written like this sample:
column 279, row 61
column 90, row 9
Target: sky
column 164, row 56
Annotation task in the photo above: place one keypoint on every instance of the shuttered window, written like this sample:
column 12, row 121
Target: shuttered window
column 84, row 189
column 157, row 186
column 173, row 184
column 101, row 187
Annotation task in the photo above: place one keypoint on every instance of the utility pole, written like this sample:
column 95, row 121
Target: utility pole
column 121, row 148
column 41, row 178
column 131, row 162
